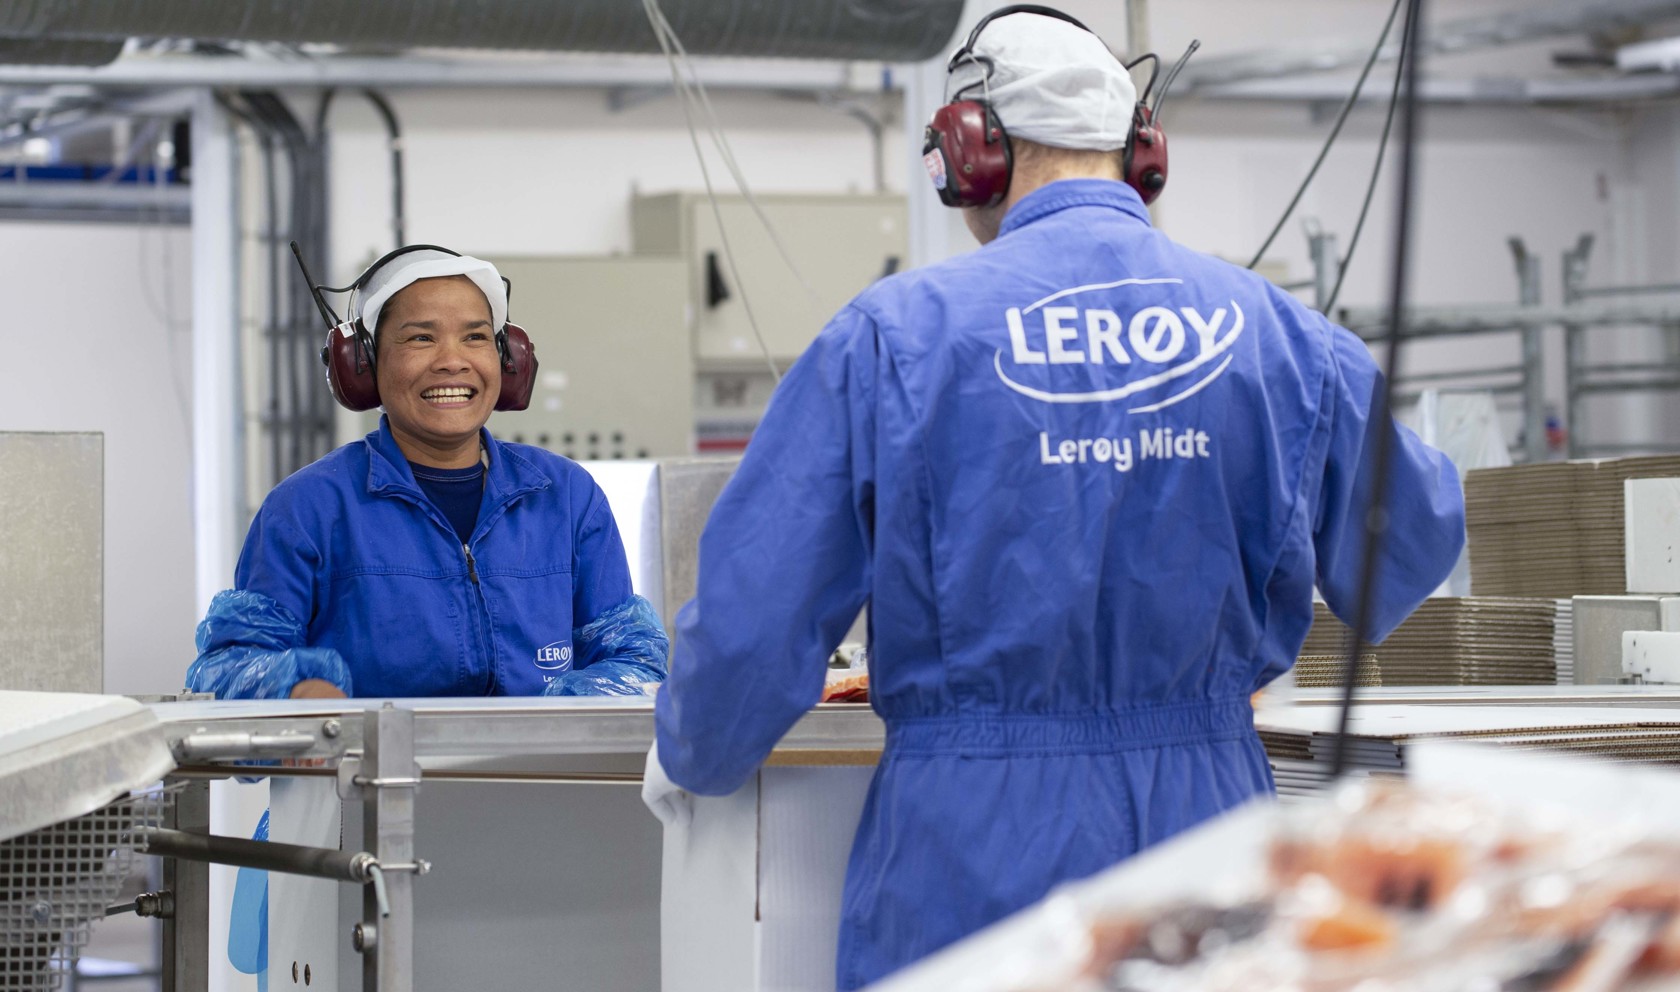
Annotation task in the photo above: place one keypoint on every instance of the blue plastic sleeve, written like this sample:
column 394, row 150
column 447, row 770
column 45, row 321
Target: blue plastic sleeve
column 618, row 653
column 251, row 647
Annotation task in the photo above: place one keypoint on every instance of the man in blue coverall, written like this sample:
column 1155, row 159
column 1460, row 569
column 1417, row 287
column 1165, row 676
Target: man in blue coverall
column 1085, row 479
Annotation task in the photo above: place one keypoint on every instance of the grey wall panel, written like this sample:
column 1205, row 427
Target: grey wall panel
column 52, row 567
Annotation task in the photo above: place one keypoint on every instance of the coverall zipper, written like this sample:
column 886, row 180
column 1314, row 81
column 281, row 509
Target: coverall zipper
column 484, row 615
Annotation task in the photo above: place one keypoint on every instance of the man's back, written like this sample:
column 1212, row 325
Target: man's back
column 1084, row 479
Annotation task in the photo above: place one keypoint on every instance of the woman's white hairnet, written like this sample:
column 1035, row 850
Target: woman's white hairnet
column 1051, row 82
column 428, row 263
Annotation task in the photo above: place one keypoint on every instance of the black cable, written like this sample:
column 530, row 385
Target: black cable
column 394, row 142
column 1376, row 520
column 394, row 137
column 1341, row 118
column 1371, row 187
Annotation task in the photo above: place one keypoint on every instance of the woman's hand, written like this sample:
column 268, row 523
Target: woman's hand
column 316, row 689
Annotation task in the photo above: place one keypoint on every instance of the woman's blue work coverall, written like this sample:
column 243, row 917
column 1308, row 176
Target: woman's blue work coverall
column 350, row 574
column 1085, row 479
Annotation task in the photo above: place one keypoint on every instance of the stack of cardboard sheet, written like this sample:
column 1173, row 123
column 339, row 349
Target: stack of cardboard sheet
column 1300, row 740
column 1472, row 640
column 1553, row 529
column 1321, row 671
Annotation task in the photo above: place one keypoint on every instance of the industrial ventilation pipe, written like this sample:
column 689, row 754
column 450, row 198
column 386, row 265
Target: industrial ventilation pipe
column 883, row 30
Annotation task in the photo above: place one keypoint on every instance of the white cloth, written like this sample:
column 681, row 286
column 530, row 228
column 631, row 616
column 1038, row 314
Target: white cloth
column 664, row 797
column 410, row 267
column 1052, row 82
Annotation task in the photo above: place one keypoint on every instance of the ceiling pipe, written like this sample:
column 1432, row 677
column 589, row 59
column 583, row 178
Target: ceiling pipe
column 877, row 30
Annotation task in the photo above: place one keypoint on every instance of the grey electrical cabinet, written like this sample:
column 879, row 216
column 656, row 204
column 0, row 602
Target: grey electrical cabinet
column 617, row 368
column 615, row 360
column 838, row 244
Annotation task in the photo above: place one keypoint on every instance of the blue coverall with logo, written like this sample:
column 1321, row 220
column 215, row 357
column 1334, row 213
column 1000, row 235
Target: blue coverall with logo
column 351, row 575
column 1085, row 480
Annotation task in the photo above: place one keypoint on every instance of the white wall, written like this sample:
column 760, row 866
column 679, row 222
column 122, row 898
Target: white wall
column 97, row 337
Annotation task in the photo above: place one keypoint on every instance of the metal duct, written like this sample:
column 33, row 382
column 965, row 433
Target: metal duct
column 884, row 30
column 57, row 51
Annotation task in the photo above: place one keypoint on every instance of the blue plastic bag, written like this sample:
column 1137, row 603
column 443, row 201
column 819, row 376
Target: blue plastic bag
column 248, row 922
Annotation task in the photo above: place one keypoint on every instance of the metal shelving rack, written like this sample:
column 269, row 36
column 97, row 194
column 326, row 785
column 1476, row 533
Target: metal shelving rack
column 1585, row 310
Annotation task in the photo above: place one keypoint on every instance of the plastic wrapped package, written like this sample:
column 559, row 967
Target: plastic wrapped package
column 619, row 653
column 251, row 647
column 1465, row 427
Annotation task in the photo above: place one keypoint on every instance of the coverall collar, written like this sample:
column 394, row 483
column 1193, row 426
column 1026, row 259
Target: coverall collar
column 508, row 476
column 1064, row 193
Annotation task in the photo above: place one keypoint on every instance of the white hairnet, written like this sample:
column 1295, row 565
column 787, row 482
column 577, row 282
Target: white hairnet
column 428, row 263
column 1051, row 82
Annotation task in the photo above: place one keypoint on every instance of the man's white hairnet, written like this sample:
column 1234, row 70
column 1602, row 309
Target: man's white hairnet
column 428, row 263
column 1051, row 82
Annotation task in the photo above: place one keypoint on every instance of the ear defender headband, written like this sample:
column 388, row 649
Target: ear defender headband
column 349, row 352
column 966, row 148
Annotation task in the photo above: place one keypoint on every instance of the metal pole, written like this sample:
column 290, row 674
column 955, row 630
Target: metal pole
column 293, row 859
column 392, row 778
column 1137, row 27
column 1574, row 346
column 186, row 933
column 217, row 411
column 1533, row 356
column 1326, row 268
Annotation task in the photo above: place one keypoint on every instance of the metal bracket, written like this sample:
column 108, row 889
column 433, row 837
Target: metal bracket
column 353, row 785
column 203, row 745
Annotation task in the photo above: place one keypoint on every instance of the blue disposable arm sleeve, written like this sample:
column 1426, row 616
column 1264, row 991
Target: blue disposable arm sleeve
column 1424, row 505
column 617, row 653
column 251, row 647
column 784, row 568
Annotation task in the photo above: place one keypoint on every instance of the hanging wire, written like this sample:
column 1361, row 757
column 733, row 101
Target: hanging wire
column 1376, row 520
column 1336, row 129
column 1376, row 171
column 677, row 57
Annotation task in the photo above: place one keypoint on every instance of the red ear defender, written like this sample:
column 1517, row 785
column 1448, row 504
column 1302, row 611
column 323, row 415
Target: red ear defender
column 1146, row 156
column 967, row 155
column 519, row 368
column 348, row 356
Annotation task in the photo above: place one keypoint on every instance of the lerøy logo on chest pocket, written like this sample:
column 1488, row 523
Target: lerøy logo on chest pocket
column 555, row 657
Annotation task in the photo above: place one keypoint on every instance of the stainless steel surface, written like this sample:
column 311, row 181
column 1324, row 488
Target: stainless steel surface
column 687, row 490
column 66, row 754
column 52, row 570
column 186, row 932
column 497, row 728
column 388, row 831
column 904, row 31
column 201, row 747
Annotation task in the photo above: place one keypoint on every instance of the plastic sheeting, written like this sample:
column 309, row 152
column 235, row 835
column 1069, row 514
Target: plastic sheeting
column 251, row 647
column 618, row 653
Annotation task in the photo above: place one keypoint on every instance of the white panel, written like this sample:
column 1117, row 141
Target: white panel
column 303, row 925
column 1653, row 535
column 709, row 897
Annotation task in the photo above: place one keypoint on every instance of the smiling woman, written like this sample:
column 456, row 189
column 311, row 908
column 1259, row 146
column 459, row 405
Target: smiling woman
column 429, row 558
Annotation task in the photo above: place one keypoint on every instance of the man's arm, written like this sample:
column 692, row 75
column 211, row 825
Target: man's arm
column 1424, row 505
column 784, row 569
